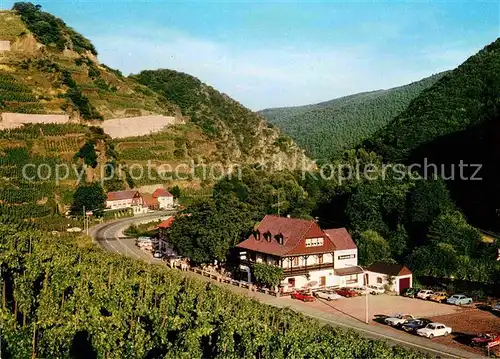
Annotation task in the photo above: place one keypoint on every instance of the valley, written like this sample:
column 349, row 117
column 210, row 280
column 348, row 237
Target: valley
column 376, row 197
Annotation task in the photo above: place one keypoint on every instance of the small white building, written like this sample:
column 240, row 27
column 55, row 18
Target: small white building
column 309, row 256
column 126, row 199
column 164, row 197
column 397, row 276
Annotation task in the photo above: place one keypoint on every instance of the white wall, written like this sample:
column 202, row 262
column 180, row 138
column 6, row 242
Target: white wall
column 166, row 202
column 14, row 120
column 372, row 280
column 315, row 276
column 343, row 263
column 119, row 204
column 4, row 45
column 136, row 126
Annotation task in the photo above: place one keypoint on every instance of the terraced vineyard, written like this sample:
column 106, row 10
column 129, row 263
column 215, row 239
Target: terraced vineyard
column 17, row 97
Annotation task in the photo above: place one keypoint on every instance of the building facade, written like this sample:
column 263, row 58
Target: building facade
column 165, row 198
column 309, row 256
column 126, row 199
column 396, row 277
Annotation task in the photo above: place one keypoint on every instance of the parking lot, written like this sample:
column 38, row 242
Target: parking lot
column 383, row 305
column 466, row 321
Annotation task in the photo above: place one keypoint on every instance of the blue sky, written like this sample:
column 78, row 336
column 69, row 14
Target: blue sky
column 285, row 53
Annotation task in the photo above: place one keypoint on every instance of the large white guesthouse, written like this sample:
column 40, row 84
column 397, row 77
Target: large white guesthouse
column 309, row 256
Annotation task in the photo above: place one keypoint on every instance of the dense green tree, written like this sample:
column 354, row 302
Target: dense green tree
column 91, row 196
column 267, row 275
column 175, row 191
column 209, row 230
column 452, row 228
column 371, row 247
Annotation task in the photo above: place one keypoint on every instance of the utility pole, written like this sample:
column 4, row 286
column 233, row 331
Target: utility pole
column 84, row 218
column 278, row 203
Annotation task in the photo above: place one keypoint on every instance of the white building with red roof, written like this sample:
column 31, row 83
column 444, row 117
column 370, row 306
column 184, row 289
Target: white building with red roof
column 164, row 197
column 126, row 199
column 309, row 256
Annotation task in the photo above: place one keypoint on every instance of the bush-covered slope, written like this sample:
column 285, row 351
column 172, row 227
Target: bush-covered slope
column 462, row 98
column 456, row 121
column 240, row 133
column 326, row 129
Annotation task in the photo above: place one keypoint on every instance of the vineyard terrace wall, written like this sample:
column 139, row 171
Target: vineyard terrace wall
column 14, row 120
column 4, row 45
column 116, row 128
column 136, row 126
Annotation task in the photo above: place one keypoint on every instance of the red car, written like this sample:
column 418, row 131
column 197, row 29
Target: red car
column 303, row 297
column 484, row 338
column 346, row 292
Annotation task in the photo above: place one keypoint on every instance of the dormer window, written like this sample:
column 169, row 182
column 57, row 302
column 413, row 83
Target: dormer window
column 314, row 242
column 256, row 234
column 279, row 238
column 268, row 236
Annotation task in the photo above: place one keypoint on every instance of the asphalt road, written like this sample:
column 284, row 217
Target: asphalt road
column 110, row 236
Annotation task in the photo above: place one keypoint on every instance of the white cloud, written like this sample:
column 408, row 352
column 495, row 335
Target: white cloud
column 269, row 77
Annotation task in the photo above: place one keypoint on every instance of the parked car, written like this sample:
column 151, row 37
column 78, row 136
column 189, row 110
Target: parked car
column 411, row 292
column 346, row 292
column 439, row 297
column 373, row 289
column 484, row 338
column 303, row 297
column 158, row 254
column 327, row 295
column 398, row 319
column 424, row 294
column 496, row 307
column 360, row 290
column 459, row 299
column 432, row 330
column 412, row 325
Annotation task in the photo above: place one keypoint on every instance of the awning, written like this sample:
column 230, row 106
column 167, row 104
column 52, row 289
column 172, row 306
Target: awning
column 348, row 271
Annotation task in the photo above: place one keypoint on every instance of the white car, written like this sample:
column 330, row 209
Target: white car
column 373, row 289
column 459, row 299
column 158, row 254
column 432, row 330
column 360, row 290
column 424, row 294
column 327, row 295
column 496, row 307
column 398, row 319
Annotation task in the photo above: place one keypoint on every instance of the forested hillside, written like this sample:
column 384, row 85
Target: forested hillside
column 326, row 129
column 457, row 119
column 240, row 133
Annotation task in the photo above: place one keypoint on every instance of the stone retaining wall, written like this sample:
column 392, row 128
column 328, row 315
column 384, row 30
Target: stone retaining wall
column 14, row 120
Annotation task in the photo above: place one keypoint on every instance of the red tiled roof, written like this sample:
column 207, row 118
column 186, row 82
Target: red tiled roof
column 348, row 271
column 161, row 192
column 341, row 238
column 166, row 223
column 150, row 200
column 293, row 230
column 121, row 195
column 392, row 269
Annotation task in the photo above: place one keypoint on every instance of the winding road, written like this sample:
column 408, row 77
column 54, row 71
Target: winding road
column 110, row 236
